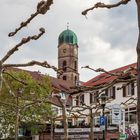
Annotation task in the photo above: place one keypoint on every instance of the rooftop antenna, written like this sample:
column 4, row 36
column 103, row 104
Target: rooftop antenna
column 67, row 25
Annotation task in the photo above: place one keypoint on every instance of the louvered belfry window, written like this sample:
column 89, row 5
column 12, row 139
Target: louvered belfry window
column 64, row 66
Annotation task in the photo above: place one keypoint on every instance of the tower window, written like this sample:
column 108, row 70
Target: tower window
column 76, row 80
column 64, row 78
column 75, row 65
column 82, row 99
column 77, row 100
column 64, row 65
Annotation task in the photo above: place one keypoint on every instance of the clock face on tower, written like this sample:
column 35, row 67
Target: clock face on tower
column 64, row 50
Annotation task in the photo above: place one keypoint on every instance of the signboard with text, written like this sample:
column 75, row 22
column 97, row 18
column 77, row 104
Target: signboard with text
column 116, row 114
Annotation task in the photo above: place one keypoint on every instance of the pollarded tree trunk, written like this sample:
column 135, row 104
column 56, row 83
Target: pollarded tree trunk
column 0, row 76
column 52, row 132
column 64, row 114
column 138, row 67
column 65, row 122
column 91, row 125
column 17, row 119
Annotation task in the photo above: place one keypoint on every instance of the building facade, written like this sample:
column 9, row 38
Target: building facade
column 121, row 93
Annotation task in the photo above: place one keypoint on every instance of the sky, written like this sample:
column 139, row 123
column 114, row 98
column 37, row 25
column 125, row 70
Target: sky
column 106, row 38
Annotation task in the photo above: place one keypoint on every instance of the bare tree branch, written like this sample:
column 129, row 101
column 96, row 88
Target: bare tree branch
column 23, row 41
column 7, row 104
column 20, row 81
column 35, row 102
column 32, row 63
column 42, row 8
column 120, row 73
column 102, row 5
column 102, row 86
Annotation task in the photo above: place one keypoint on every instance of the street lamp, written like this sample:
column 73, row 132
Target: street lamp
column 102, row 100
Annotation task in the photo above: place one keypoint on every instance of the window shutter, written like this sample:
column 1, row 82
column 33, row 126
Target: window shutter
column 114, row 93
column 106, row 92
column 82, row 99
column 91, row 98
column 64, row 65
column 77, row 100
column 124, row 91
column 96, row 95
column 132, row 89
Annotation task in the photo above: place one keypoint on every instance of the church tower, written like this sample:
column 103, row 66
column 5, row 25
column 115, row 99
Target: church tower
column 68, row 56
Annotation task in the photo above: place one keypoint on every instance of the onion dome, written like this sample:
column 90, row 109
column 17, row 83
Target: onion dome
column 68, row 36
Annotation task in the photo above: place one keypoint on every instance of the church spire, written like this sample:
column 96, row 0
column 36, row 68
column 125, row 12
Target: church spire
column 67, row 25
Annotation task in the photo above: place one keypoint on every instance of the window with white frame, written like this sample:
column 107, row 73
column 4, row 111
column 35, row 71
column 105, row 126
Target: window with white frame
column 96, row 96
column 129, row 90
column 130, row 115
column 93, row 97
column 111, row 92
column 80, row 99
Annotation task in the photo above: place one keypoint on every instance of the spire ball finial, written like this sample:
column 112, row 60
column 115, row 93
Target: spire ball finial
column 67, row 25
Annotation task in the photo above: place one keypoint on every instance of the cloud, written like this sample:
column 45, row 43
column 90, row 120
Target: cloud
column 107, row 38
column 100, row 54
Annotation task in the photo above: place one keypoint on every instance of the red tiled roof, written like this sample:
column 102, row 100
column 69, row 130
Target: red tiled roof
column 57, row 84
column 105, row 78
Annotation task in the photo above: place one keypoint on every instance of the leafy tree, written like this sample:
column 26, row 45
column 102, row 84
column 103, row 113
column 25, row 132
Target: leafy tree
column 23, row 100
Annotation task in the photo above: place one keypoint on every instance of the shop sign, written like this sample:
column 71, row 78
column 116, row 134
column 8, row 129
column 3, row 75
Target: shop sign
column 116, row 114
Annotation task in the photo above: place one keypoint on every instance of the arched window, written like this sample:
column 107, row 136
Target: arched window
column 64, row 65
column 65, row 78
